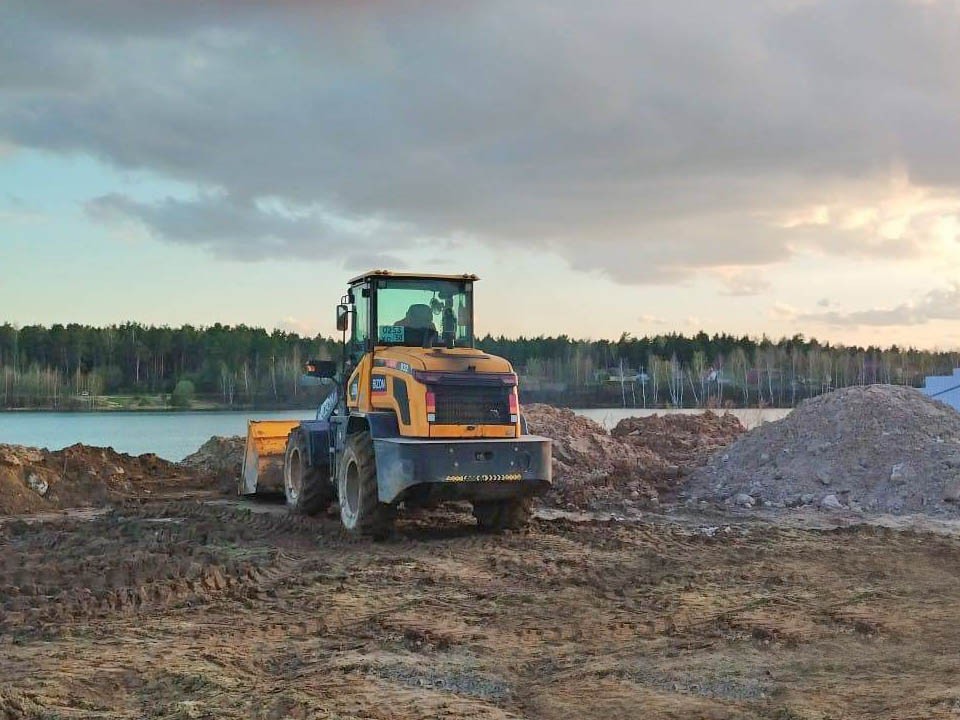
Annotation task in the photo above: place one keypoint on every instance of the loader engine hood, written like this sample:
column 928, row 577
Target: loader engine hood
column 442, row 360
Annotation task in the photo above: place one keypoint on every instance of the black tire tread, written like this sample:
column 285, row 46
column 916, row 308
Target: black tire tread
column 375, row 519
column 315, row 494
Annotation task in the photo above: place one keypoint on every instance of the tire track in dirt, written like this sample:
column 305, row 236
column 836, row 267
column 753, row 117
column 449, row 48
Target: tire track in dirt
column 185, row 609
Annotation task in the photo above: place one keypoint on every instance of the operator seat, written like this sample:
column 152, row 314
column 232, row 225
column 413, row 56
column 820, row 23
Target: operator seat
column 419, row 324
column 418, row 316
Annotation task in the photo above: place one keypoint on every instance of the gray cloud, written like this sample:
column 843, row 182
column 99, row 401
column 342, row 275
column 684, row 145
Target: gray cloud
column 644, row 140
column 939, row 304
column 243, row 229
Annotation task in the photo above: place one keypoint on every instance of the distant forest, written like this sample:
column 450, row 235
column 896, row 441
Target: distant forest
column 136, row 366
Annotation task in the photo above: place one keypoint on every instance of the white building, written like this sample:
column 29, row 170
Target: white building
column 945, row 388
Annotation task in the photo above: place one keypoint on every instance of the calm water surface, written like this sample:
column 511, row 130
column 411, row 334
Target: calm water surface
column 176, row 435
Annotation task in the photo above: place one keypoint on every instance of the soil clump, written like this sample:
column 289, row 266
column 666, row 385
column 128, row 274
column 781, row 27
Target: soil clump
column 642, row 463
column 220, row 458
column 591, row 468
column 876, row 449
column 37, row 480
column 684, row 440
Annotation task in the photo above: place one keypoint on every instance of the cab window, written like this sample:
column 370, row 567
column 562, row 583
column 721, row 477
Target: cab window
column 424, row 312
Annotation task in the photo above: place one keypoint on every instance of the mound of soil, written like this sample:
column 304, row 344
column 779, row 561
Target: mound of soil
column 591, row 468
column 684, row 440
column 875, row 449
column 220, row 458
column 34, row 480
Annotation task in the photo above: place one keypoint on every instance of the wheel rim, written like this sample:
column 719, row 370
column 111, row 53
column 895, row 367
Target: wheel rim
column 294, row 476
column 350, row 494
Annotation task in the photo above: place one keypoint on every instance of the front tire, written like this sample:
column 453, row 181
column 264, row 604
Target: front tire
column 500, row 515
column 361, row 511
column 305, row 489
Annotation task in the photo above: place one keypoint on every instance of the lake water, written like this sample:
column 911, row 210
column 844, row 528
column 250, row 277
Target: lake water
column 176, row 435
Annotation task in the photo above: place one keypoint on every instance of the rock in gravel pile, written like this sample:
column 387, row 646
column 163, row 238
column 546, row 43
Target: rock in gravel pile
column 684, row 440
column 591, row 468
column 875, row 449
column 220, row 458
column 34, row 480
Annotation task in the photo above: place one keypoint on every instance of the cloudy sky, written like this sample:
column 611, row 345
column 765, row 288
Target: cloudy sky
column 774, row 166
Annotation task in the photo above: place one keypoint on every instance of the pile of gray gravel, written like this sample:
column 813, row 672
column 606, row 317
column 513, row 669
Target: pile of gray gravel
column 875, row 449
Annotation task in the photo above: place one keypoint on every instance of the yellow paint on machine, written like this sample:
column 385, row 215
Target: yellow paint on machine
column 456, row 360
column 263, row 455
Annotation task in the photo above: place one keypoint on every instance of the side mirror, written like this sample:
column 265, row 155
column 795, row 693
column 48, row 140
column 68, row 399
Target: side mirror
column 321, row 368
column 343, row 318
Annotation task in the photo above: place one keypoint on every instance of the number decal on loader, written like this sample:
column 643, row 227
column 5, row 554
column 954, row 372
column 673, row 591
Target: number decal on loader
column 392, row 333
column 378, row 384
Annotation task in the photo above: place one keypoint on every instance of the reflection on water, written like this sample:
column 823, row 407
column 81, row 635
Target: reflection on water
column 176, row 435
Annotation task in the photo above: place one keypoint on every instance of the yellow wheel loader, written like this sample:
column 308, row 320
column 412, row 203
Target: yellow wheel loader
column 417, row 416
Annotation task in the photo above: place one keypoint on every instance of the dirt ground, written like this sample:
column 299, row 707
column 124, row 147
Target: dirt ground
column 227, row 609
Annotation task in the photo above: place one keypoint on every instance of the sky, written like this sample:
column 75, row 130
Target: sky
column 760, row 167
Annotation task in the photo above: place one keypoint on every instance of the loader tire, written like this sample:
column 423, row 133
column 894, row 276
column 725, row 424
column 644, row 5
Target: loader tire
column 305, row 489
column 361, row 511
column 500, row 515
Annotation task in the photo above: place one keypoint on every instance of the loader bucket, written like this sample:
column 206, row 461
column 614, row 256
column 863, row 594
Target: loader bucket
column 263, row 456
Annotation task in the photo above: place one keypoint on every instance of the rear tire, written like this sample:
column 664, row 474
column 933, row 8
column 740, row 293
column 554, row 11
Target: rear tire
column 500, row 515
column 361, row 511
column 305, row 489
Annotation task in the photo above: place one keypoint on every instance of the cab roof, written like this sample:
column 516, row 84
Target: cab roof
column 370, row 274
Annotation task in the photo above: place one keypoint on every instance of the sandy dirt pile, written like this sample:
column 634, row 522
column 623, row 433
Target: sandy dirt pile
column 875, row 449
column 220, row 458
column 641, row 463
column 34, row 480
column 686, row 441
column 591, row 468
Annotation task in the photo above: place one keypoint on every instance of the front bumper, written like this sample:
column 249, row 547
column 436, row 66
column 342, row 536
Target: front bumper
column 486, row 469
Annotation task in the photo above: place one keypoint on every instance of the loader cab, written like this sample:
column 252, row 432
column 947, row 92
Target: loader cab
column 402, row 310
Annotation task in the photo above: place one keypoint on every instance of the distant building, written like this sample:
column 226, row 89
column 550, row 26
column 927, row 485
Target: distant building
column 945, row 388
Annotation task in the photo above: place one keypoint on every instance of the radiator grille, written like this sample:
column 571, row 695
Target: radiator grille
column 464, row 405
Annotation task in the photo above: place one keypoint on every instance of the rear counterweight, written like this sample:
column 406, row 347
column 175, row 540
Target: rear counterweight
column 462, row 469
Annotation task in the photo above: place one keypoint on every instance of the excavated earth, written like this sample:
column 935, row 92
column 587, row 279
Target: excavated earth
column 238, row 610
column 220, row 458
column 686, row 441
column 165, row 599
column 37, row 480
column 879, row 449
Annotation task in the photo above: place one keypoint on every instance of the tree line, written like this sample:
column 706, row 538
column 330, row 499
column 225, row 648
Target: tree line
column 64, row 366
column 720, row 370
